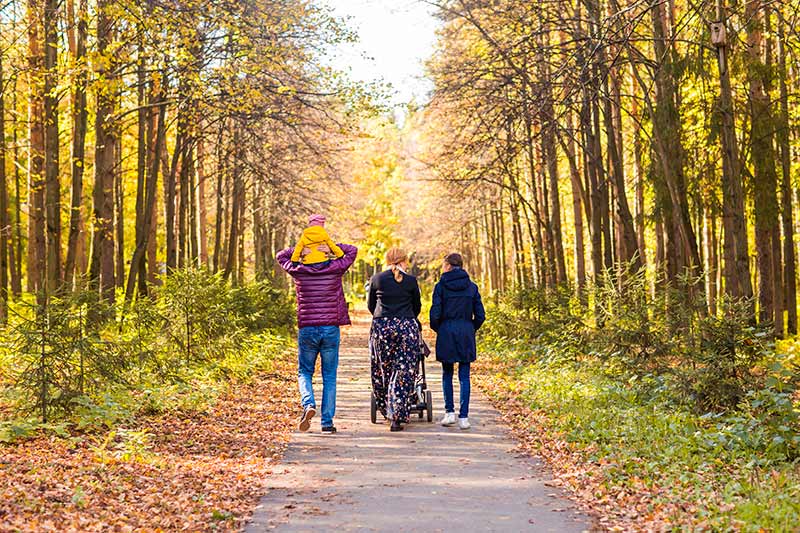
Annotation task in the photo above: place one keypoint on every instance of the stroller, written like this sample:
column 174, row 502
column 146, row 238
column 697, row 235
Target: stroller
column 422, row 399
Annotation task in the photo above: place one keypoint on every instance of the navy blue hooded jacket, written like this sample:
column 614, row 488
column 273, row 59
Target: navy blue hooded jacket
column 456, row 314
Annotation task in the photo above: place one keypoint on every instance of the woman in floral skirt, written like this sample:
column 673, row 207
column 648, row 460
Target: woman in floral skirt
column 394, row 342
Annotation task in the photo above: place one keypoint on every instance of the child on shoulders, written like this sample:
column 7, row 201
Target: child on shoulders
column 315, row 235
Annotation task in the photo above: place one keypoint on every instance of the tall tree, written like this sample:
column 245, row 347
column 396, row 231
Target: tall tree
column 36, row 149
column 667, row 140
column 79, row 124
column 736, row 257
column 51, row 149
column 5, row 226
column 789, row 270
column 765, row 202
column 102, row 262
column 144, row 223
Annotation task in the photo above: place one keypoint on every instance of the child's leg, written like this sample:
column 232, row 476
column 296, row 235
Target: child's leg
column 335, row 250
column 447, row 387
column 464, row 385
column 298, row 250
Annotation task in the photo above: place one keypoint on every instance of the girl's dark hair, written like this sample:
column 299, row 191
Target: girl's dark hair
column 454, row 260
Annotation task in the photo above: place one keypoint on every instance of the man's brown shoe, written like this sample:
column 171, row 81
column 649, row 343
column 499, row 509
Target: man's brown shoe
column 305, row 418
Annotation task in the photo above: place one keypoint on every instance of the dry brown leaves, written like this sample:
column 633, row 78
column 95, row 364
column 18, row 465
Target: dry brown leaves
column 199, row 472
column 616, row 509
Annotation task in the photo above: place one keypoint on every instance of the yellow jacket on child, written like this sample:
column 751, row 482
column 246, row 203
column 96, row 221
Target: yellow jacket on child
column 312, row 237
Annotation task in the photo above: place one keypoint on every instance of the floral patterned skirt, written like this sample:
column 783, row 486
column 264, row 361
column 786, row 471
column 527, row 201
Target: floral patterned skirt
column 394, row 352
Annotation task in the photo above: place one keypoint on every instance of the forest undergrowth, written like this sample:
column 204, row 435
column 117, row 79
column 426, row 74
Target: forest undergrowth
column 655, row 414
column 167, row 415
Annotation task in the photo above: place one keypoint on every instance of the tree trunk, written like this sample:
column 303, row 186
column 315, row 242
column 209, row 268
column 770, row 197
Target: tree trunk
column 5, row 227
column 259, row 234
column 631, row 257
column 79, row 122
column 183, row 199
column 202, row 209
column 709, row 225
column 16, row 279
column 156, row 148
column 544, row 207
column 235, row 204
column 551, row 157
column 602, row 184
column 533, row 179
column 51, row 145
column 144, row 139
column 169, row 199
column 219, row 211
column 36, row 235
column 736, row 263
column 119, row 212
column 578, row 195
column 240, row 242
column 638, row 176
column 595, row 209
column 138, row 268
column 102, row 263
column 765, row 203
column 194, row 253
column 789, row 272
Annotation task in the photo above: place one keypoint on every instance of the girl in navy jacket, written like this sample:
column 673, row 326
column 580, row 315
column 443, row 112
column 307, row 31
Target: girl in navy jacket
column 456, row 314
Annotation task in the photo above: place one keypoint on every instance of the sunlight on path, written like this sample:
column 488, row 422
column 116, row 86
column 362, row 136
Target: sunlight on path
column 427, row 478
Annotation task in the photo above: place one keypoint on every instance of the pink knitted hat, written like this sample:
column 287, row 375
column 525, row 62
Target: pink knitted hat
column 316, row 220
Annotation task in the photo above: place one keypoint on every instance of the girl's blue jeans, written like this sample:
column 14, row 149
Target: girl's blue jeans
column 464, row 386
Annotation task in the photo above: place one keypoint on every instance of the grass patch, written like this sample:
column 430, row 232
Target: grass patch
column 656, row 413
column 712, row 471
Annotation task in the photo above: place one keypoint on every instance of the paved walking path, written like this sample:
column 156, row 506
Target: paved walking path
column 426, row 478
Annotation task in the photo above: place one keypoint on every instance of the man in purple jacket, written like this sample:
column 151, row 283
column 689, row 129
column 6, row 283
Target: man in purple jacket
column 321, row 309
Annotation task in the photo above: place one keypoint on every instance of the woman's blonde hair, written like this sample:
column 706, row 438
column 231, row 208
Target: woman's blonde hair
column 394, row 257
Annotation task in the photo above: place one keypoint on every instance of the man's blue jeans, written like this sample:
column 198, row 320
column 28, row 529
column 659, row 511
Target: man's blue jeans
column 464, row 386
column 322, row 341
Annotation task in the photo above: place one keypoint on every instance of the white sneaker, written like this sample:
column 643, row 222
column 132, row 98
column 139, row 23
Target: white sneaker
column 449, row 419
column 463, row 423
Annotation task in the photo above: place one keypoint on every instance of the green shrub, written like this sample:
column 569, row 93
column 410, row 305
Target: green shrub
column 194, row 331
column 668, row 342
column 104, row 412
column 723, row 360
column 60, row 357
column 260, row 306
column 551, row 322
column 204, row 319
column 199, row 324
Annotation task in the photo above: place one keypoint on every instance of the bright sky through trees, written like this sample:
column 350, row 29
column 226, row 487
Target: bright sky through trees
column 395, row 38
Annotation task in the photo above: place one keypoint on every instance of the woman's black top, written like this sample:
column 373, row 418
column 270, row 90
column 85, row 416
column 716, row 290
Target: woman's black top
column 388, row 298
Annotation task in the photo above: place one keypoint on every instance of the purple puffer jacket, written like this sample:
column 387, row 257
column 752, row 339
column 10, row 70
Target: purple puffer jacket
column 320, row 295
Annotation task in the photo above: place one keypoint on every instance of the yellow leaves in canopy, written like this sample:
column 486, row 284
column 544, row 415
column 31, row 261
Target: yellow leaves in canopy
column 377, row 181
column 481, row 50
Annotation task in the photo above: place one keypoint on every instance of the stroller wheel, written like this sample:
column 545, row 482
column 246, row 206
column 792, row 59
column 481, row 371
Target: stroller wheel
column 373, row 409
column 428, row 405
